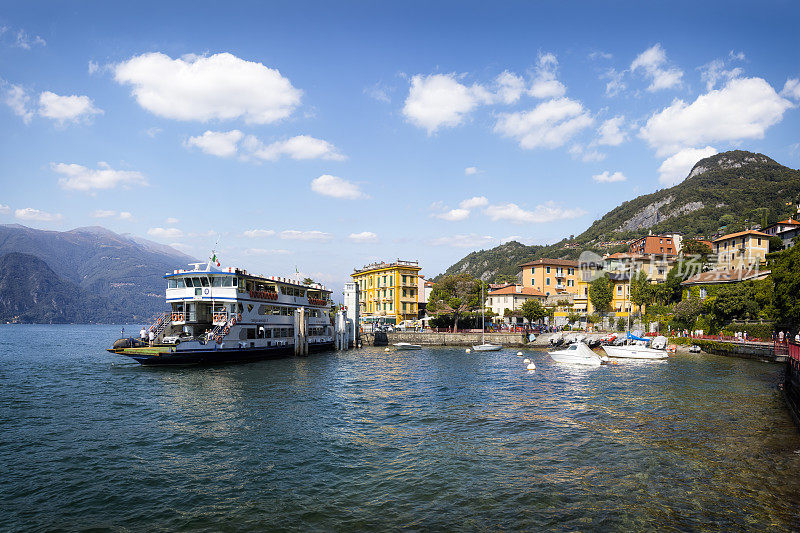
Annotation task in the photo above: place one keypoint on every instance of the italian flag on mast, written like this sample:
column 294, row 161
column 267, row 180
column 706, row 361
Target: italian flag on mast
column 214, row 258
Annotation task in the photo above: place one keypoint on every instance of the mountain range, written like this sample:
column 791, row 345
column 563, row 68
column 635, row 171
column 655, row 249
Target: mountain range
column 727, row 192
column 84, row 275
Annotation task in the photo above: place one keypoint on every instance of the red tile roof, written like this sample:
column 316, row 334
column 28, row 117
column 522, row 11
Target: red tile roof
column 726, row 276
column 551, row 262
column 525, row 291
column 746, row 232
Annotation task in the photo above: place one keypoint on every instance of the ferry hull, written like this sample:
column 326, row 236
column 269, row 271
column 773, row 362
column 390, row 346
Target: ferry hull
column 216, row 357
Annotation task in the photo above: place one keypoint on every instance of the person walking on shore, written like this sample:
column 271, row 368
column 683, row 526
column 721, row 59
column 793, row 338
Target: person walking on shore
column 152, row 337
column 143, row 335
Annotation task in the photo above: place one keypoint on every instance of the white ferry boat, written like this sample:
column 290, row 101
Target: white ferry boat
column 228, row 315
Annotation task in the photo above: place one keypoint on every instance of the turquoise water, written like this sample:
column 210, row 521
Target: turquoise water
column 367, row 440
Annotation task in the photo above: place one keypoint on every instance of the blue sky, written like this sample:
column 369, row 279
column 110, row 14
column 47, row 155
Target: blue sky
column 321, row 137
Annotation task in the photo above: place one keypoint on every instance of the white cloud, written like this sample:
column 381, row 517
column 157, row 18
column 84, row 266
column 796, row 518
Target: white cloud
column 101, row 213
column 364, row 236
column 549, row 125
column 577, row 151
column 152, row 132
column 172, row 220
column 611, row 132
column 24, row 41
column 674, row 169
column 471, row 240
column 218, row 143
column 328, row 185
column 220, row 86
column 791, row 89
column 17, row 100
column 66, row 108
column 314, row 235
column 30, row 213
column 599, row 54
column 440, row 100
column 472, row 203
column 545, row 84
column 93, row 67
column 469, row 171
column 547, row 212
column 509, row 87
column 298, row 147
column 715, row 71
column 743, row 109
column 165, row 233
column 4, row 209
column 257, row 233
column 80, row 178
column 125, row 215
column 616, row 84
column 378, row 92
column 654, row 63
column 607, row 177
column 262, row 251
column 453, row 215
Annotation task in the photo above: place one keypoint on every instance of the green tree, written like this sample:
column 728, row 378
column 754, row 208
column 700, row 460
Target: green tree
column 686, row 312
column 532, row 310
column 775, row 244
column 455, row 295
column 693, row 247
column 621, row 324
column 641, row 290
column 670, row 291
column 601, row 291
column 786, row 289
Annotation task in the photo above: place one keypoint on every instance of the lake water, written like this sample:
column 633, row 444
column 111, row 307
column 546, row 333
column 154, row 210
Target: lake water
column 369, row 440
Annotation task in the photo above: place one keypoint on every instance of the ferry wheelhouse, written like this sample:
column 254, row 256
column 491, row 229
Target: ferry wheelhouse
column 226, row 315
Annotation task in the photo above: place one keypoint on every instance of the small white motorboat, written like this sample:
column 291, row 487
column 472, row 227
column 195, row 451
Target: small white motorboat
column 406, row 346
column 634, row 351
column 694, row 348
column 578, row 354
column 487, row 347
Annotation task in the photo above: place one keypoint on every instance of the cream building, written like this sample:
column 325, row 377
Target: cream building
column 744, row 249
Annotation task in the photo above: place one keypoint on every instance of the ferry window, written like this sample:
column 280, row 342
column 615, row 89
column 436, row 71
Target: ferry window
column 181, row 284
column 204, row 281
column 235, row 282
column 188, row 282
column 171, row 284
column 251, row 333
column 196, row 282
column 261, row 332
column 267, row 333
column 216, row 281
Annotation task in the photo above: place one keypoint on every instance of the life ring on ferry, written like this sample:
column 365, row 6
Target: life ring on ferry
column 216, row 318
column 180, row 317
column 239, row 317
column 174, row 317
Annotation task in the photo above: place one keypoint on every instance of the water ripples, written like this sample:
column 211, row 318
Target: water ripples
column 368, row 439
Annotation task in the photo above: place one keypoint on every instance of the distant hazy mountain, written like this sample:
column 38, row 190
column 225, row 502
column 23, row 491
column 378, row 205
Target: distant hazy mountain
column 119, row 277
column 723, row 193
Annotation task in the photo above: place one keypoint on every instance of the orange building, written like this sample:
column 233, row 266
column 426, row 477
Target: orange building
column 656, row 244
column 551, row 276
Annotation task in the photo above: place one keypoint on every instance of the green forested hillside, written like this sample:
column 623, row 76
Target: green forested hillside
column 723, row 193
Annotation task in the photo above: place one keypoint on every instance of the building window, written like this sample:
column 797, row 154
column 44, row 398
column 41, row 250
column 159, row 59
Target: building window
column 547, row 269
column 547, row 281
column 533, row 270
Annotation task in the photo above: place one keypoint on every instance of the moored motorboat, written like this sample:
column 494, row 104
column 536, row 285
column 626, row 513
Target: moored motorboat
column 487, row 347
column 406, row 346
column 578, row 354
column 634, row 351
column 638, row 348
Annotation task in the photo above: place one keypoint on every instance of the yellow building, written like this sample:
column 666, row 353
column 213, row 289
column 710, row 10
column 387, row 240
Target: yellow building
column 551, row 276
column 389, row 291
column 744, row 249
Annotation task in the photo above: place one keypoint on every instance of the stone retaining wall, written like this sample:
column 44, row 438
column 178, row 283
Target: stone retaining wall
column 451, row 339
